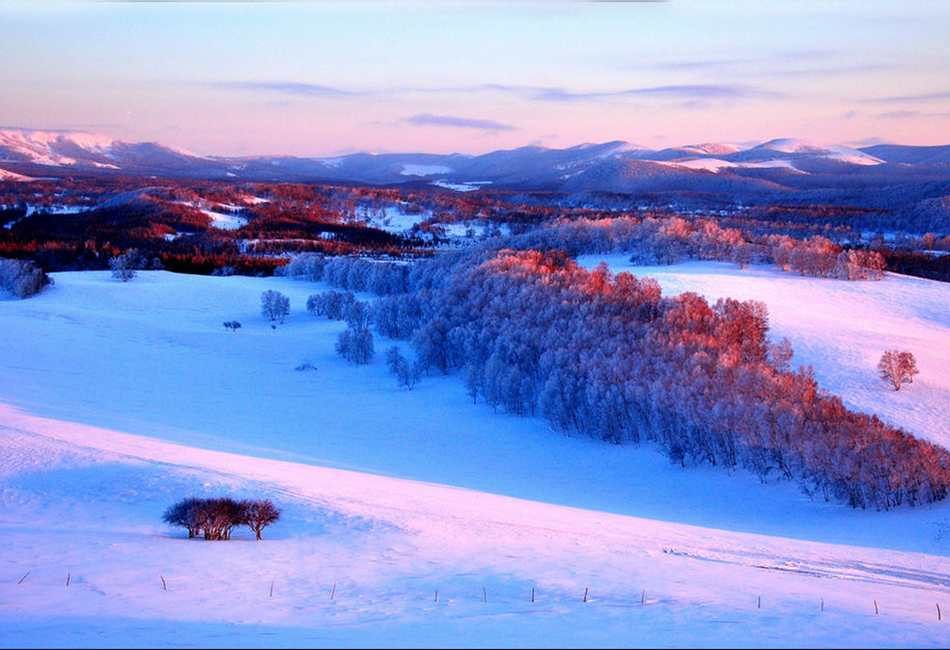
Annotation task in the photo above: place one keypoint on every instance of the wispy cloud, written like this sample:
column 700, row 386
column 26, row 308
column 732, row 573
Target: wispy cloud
column 925, row 97
column 285, row 87
column 679, row 92
column 428, row 119
column 531, row 93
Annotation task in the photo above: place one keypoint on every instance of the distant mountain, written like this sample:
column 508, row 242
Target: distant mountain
column 910, row 155
column 612, row 166
column 80, row 150
column 794, row 149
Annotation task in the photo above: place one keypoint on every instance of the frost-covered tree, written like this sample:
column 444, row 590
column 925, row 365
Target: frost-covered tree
column 359, row 315
column 356, row 346
column 332, row 304
column 897, row 367
column 125, row 265
column 22, row 278
column 407, row 374
column 275, row 305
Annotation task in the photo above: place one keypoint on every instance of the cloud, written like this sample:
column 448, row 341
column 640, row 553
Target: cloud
column 909, row 115
column 678, row 92
column 284, row 87
column 867, row 142
column 926, row 97
column 531, row 93
column 428, row 119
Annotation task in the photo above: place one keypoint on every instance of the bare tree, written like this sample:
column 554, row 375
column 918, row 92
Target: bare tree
column 275, row 305
column 259, row 514
column 897, row 367
column 185, row 513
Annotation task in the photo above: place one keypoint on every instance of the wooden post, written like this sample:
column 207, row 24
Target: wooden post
column 875, row 608
column 333, row 592
column 436, row 595
column 938, row 612
column 759, row 606
column 585, row 594
column 643, row 595
column 484, row 595
column 532, row 594
column 164, row 586
column 67, row 579
column 271, row 589
column 822, row 604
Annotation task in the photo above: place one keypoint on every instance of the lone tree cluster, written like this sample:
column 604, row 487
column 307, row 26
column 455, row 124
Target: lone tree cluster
column 216, row 518
column 275, row 306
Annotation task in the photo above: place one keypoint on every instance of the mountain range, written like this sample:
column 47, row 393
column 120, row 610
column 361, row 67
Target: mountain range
column 613, row 166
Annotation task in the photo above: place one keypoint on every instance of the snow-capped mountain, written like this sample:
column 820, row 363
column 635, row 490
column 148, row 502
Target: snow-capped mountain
column 616, row 166
column 89, row 151
column 797, row 149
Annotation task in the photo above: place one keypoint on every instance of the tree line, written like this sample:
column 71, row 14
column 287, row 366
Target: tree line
column 609, row 356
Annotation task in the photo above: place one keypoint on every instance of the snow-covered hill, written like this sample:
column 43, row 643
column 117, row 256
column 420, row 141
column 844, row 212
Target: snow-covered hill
column 612, row 166
column 117, row 399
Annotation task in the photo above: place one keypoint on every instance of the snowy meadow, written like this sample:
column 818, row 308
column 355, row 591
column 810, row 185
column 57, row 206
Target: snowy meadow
column 417, row 518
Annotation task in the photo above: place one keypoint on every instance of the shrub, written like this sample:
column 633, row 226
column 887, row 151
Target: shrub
column 216, row 518
column 23, row 278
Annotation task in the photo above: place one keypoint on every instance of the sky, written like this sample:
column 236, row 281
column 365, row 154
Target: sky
column 331, row 78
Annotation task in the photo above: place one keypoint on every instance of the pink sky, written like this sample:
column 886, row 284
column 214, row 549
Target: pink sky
column 318, row 79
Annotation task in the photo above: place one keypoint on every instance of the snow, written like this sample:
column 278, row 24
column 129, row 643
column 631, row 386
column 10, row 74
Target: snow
column 117, row 399
column 395, row 219
column 716, row 165
column 461, row 187
column 830, row 151
column 220, row 220
column 6, row 175
column 707, row 164
column 38, row 146
column 424, row 170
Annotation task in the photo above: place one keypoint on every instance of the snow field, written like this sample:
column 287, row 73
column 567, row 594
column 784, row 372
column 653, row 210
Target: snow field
column 117, row 399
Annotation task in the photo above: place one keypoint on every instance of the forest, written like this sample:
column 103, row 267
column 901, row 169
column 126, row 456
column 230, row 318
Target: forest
column 78, row 223
column 609, row 356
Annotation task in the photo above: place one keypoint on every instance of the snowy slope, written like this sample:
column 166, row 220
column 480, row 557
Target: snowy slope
column 840, row 329
column 116, row 399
